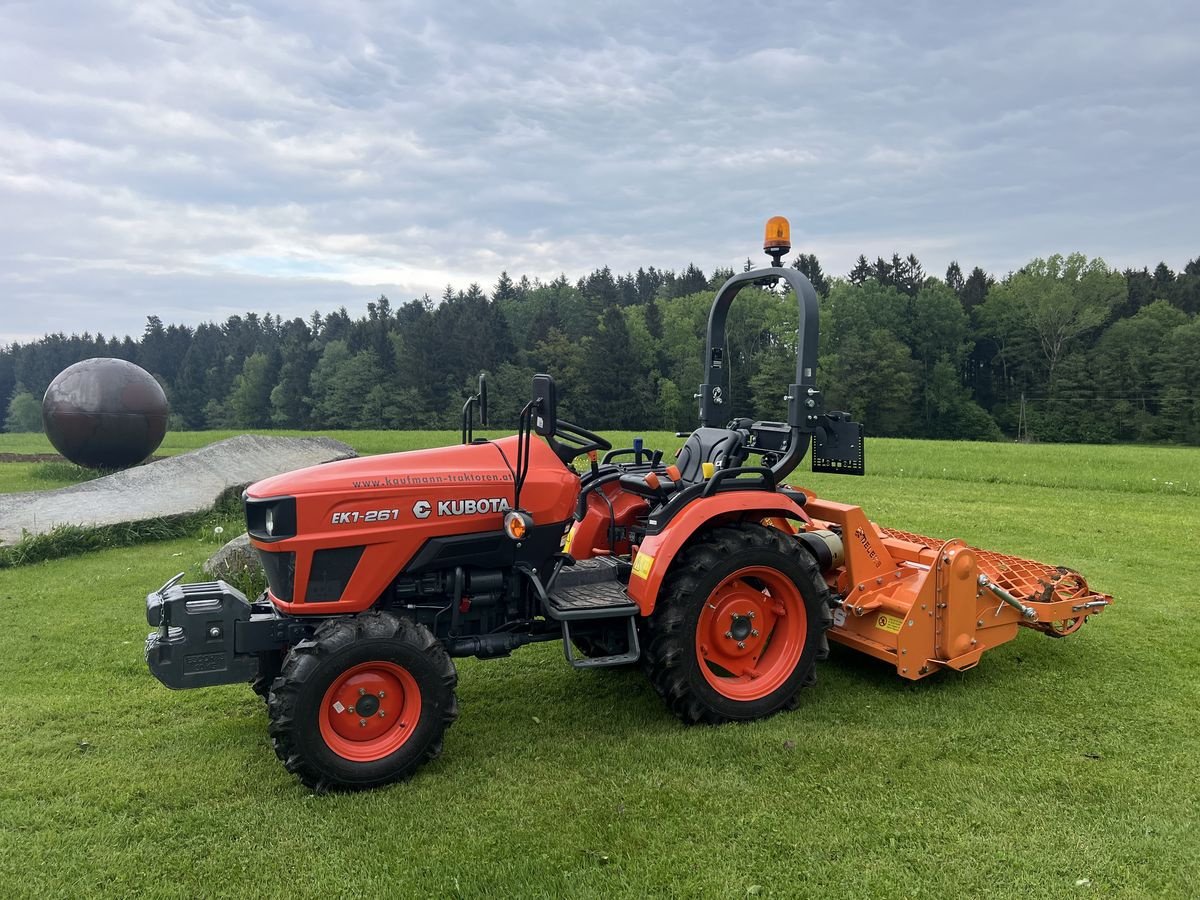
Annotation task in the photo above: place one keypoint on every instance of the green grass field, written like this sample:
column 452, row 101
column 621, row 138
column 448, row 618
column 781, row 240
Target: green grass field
column 1055, row 769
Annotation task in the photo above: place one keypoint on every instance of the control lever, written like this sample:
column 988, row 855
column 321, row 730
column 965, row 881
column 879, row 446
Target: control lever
column 649, row 485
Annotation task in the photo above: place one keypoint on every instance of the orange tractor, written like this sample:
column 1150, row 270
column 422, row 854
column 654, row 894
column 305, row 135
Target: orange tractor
column 722, row 579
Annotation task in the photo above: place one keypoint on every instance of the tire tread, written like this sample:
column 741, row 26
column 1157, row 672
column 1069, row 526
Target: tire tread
column 304, row 662
column 667, row 645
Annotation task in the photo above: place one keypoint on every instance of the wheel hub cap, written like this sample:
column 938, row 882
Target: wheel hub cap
column 751, row 633
column 370, row 711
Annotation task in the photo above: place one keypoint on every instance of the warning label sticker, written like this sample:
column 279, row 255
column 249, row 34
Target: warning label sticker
column 888, row 623
column 642, row 565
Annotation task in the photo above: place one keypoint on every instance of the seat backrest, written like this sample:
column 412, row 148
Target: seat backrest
column 719, row 446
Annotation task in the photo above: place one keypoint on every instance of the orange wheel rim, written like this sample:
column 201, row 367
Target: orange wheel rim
column 751, row 633
column 370, row 711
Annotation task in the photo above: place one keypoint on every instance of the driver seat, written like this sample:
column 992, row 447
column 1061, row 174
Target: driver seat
column 720, row 446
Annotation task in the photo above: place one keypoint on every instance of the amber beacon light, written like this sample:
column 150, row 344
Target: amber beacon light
column 778, row 239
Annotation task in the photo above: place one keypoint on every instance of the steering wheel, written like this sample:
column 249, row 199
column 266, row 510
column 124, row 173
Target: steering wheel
column 578, row 440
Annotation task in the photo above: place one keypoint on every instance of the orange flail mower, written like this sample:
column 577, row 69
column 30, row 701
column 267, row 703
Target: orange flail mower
column 711, row 571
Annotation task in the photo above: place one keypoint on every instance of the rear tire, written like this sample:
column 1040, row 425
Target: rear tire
column 363, row 703
column 739, row 626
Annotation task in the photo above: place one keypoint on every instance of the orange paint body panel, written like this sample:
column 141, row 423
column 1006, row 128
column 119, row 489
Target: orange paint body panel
column 609, row 506
column 657, row 551
column 405, row 492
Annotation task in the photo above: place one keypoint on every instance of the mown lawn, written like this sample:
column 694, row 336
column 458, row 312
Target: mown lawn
column 1056, row 768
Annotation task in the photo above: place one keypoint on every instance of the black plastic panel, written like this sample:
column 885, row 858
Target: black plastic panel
column 488, row 549
column 281, row 573
column 330, row 572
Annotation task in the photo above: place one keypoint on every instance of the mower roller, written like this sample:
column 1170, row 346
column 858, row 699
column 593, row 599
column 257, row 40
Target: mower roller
column 723, row 580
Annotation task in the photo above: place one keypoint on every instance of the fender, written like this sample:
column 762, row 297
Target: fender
column 734, row 506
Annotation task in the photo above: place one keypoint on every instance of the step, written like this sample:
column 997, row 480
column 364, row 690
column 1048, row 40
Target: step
column 594, row 589
column 591, row 571
column 632, row 652
column 597, row 600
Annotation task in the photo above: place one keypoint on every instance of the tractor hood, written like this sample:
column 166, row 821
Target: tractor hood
column 484, row 463
column 470, row 477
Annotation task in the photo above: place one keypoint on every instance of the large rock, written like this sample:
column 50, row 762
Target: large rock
column 234, row 559
column 189, row 483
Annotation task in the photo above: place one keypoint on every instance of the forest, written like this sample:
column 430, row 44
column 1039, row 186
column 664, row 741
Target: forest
column 1064, row 349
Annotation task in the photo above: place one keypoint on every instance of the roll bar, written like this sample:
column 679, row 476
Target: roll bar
column 803, row 398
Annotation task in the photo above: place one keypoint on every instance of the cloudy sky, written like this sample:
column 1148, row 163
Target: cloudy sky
column 195, row 159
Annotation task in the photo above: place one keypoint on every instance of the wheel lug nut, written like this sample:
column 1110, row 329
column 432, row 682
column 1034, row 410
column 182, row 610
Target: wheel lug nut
column 750, row 615
column 741, row 645
column 753, row 632
column 381, row 714
column 362, row 723
column 361, row 691
column 381, row 695
column 729, row 634
column 350, row 710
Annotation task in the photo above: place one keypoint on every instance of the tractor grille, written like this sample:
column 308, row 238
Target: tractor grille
column 281, row 573
column 331, row 570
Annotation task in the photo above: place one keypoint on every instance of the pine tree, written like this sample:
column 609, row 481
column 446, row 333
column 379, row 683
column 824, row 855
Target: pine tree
column 505, row 290
column 955, row 280
column 975, row 289
column 811, row 267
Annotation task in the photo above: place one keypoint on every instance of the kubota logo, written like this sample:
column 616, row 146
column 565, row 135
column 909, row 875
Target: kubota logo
column 422, row 509
column 472, row 507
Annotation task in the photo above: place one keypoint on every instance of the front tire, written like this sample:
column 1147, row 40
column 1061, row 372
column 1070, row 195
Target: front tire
column 269, row 666
column 363, row 703
column 739, row 626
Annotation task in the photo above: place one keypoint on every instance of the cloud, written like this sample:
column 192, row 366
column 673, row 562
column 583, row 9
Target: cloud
column 192, row 159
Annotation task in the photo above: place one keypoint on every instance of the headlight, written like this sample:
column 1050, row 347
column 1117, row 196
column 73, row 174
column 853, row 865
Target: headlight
column 271, row 518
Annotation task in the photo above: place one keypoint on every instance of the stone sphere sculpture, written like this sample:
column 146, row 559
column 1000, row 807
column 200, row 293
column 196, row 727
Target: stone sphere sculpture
column 105, row 413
